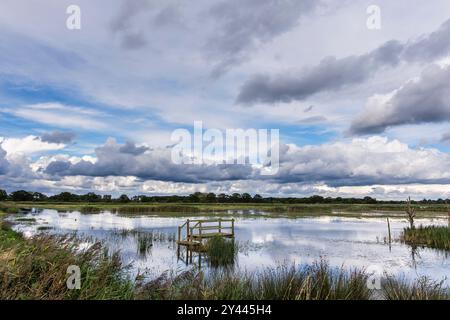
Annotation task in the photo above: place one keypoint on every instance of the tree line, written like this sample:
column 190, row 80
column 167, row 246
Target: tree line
column 197, row 197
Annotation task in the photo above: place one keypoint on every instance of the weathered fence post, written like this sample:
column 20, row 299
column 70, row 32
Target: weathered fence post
column 188, row 236
column 389, row 232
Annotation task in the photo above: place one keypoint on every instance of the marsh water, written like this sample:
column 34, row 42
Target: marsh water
column 262, row 241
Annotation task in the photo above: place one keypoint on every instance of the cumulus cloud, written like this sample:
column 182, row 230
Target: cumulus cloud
column 58, row 137
column 374, row 160
column 155, row 164
column 333, row 74
column 132, row 149
column 28, row 145
column 420, row 101
column 4, row 164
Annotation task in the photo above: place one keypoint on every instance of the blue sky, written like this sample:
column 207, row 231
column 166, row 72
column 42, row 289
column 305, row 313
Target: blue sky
column 360, row 111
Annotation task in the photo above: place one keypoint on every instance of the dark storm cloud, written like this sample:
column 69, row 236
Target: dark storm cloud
column 58, row 137
column 417, row 102
column 333, row 74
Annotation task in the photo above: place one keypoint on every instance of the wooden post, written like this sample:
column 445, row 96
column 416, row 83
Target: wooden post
column 188, row 236
column 389, row 232
column 220, row 225
column 200, row 230
column 232, row 227
column 179, row 233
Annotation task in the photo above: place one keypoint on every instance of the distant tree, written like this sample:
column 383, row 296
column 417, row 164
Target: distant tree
column 124, row 198
column 236, row 197
column 370, row 200
column 91, row 197
column 257, row 198
column 211, row 197
column 22, row 195
column 107, row 198
column 3, row 195
column 246, row 197
column 65, row 197
column 37, row 196
column 222, row 198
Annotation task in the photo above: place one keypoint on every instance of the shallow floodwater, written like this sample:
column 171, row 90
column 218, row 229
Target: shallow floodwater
column 263, row 242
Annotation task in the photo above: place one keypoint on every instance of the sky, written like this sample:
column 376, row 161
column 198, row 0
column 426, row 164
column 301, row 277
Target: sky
column 361, row 110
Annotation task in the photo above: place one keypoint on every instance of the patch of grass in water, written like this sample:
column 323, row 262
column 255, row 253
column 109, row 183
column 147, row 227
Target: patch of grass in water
column 221, row 251
column 437, row 237
column 90, row 210
column 29, row 220
column 144, row 243
column 44, row 228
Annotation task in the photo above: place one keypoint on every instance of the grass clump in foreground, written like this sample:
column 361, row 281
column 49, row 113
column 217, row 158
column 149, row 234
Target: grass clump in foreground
column 37, row 269
column 221, row 251
column 422, row 289
column 314, row 282
column 437, row 237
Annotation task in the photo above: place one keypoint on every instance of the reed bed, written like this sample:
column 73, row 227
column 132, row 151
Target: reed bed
column 422, row 289
column 37, row 269
column 437, row 237
column 221, row 251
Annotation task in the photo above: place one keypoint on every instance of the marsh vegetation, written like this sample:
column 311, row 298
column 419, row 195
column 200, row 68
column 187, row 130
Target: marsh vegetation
column 437, row 237
column 36, row 269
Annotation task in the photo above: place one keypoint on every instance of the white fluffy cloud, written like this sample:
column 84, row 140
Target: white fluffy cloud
column 374, row 160
column 28, row 145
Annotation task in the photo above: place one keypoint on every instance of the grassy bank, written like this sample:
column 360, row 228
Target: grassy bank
column 36, row 269
column 214, row 209
column 437, row 237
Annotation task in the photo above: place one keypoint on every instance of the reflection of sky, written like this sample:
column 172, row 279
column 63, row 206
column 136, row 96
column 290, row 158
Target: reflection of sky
column 341, row 241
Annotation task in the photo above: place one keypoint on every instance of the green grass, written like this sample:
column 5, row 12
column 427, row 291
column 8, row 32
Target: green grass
column 437, row 237
column 30, row 220
column 144, row 243
column 311, row 282
column 36, row 269
column 422, row 289
column 214, row 209
column 221, row 251
column 8, row 207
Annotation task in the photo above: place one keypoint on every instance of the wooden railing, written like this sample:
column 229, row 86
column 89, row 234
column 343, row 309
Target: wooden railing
column 201, row 229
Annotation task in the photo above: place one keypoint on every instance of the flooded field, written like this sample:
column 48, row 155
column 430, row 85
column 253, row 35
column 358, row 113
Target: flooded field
column 148, row 243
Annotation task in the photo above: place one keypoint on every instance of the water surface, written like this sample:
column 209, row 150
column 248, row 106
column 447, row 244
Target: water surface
column 263, row 242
